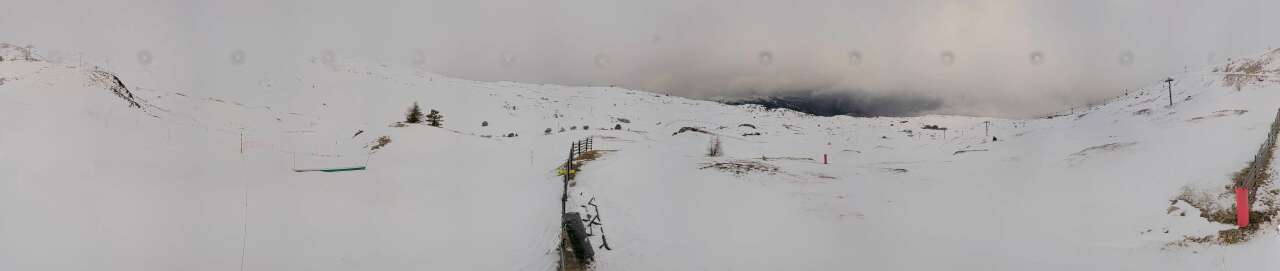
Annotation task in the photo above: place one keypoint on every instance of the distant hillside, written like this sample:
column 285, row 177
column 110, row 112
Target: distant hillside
column 835, row 103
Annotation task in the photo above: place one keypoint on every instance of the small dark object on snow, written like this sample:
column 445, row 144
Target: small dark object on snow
column 484, row 123
column 617, row 126
column 993, row 139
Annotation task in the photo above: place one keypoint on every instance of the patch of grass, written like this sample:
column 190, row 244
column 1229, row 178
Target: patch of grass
column 382, row 141
column 589, row 155
column 1204, row 201
column 1246, row 71
column 741, row 167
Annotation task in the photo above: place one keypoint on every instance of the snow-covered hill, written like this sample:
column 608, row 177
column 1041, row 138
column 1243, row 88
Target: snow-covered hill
column 204, row 178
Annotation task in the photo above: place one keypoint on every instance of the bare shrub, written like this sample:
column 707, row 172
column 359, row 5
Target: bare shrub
column 714, row 149
column 382, row 141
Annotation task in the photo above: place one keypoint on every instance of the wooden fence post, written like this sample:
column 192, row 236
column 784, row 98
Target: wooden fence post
column 564, row 196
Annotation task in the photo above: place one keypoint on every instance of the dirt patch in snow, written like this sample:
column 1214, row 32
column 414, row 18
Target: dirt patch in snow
column 690, row 129
column 895, row 170
column 1086, row 153
column 590, row 155
column 113, row 83
column 965, row 151
column 741, row 167
column 1219, row 114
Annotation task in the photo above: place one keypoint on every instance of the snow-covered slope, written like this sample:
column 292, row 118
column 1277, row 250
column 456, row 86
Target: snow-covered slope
column 193, row 179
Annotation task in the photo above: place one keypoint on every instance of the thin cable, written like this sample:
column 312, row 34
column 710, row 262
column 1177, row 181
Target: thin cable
column 244, row 239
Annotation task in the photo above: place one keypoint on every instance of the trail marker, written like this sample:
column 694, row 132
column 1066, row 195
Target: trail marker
column 1242, row 207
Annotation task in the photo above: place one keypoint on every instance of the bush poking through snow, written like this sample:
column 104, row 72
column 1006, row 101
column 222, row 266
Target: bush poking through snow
column 382, row 141
column 741, row 167
column 714, row 149
column 547, row 131
column 435, row 119
column 484, row 123
column 414, row 115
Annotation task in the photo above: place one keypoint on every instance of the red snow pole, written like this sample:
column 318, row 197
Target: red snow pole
column 824, row 159
column 1242, row 207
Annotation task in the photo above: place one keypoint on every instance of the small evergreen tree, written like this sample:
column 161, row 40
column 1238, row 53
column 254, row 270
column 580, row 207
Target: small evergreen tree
column 434, row 118
column 414, row 115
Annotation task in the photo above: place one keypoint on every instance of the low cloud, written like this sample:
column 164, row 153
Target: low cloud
column 985, row 57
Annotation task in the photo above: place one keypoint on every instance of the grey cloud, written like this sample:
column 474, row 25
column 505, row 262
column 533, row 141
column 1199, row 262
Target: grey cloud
column 695, row 48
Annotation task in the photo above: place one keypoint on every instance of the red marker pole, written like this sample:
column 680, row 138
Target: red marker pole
column 1242, row 207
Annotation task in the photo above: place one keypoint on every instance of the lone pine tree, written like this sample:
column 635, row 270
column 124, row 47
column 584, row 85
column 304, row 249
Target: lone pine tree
column 414, row 115
column 434, row 118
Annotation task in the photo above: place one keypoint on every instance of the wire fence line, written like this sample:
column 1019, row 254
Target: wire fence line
column 1261, row 160
column 573, row 233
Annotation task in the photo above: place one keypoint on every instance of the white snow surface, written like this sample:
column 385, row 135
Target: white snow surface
column 202, row 179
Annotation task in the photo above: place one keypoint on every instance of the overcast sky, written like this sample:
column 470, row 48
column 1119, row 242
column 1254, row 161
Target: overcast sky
column 996, row 57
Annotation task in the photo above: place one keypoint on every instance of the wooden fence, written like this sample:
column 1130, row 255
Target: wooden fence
column 1261, row 160
column 571, row 223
